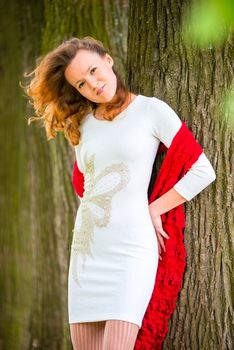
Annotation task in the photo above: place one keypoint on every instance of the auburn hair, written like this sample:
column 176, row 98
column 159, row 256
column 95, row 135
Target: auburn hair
column 57, row 104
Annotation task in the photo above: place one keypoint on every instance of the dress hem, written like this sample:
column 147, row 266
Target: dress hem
column 105, row 317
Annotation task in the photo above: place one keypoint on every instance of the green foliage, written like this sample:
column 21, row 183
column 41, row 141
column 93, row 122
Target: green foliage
column 209, row 22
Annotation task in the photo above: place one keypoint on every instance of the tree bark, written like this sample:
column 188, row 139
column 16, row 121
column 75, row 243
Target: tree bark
column 37, row 198
column 192, row 81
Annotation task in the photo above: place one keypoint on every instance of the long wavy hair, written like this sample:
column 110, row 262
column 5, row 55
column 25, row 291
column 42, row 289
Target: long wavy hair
column 57, row 104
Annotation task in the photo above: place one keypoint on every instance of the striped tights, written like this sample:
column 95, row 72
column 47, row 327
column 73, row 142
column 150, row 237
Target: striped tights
column 104, row 335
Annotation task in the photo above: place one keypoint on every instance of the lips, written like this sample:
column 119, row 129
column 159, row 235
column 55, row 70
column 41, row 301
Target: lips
column 100, row 90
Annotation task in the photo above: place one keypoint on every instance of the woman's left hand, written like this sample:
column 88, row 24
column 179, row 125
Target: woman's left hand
column 160, row 233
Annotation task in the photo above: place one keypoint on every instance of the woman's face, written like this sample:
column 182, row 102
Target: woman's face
column 88, row 72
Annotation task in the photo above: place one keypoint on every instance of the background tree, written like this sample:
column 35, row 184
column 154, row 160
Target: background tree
column 191, row 80
column 210, row 23
column 38, row 202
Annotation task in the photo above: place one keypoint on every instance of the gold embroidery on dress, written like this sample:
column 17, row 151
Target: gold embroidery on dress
column 95, row 205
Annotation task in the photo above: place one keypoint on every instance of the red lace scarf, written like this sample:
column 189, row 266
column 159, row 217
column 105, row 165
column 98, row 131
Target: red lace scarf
column 180, row 156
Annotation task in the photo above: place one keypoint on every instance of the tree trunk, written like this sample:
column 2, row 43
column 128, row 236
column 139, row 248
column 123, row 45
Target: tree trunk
column 192, row 81
column 38, row 202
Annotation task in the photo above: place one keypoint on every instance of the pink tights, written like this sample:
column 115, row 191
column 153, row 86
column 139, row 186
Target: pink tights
column 104, row 335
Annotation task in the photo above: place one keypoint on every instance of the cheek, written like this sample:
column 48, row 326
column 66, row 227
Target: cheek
column 86, row 94
column 106, row 73
column 82, row 92
column 111, row 76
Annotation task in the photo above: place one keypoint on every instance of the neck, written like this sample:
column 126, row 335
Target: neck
column 100, row 110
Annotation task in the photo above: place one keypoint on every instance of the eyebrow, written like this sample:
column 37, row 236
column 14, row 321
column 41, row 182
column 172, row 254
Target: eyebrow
column 86, row 72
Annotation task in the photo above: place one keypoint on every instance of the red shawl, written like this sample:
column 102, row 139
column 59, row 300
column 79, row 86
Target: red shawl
column 180, row 156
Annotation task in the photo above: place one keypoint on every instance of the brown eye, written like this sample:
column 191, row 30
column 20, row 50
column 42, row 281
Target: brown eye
column 81, row 84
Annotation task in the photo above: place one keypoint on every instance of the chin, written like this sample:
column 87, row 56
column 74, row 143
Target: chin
column 111, row 97
column 106, row 99
column 109, row 100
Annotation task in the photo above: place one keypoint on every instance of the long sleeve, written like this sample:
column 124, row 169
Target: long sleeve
column 165, row 124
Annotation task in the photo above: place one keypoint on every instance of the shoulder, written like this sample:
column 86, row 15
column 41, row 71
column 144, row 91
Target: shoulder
column 157, row 109
column 156, row 104
column 163, row 120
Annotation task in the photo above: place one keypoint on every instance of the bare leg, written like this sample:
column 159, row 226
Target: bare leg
column 120, row 335
column 87, row 335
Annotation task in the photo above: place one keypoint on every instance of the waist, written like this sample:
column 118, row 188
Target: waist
column 117, row 215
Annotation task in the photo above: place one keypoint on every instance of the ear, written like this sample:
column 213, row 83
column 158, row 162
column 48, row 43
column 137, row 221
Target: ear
column 109, row 60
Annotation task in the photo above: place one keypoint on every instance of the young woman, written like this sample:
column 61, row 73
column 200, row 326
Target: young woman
column 116, row 135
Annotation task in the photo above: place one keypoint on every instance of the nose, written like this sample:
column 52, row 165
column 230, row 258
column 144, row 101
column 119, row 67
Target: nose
column 92, row 83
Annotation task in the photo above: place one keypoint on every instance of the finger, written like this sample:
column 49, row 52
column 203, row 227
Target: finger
column 159, row 252
column 159, row 245
column 164, row 234
column 159, row 249
column 161, row 242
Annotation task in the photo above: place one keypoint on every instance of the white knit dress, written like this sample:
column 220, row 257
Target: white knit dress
column 114, row 252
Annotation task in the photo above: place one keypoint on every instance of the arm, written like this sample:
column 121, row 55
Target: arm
column 165, row 125
column 199, row 176
column 166, row 202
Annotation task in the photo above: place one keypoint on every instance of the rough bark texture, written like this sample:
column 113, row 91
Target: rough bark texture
column 192, row 81
column 38, row 203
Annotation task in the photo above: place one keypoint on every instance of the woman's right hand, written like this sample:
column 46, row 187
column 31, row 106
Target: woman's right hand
column 160, row 233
